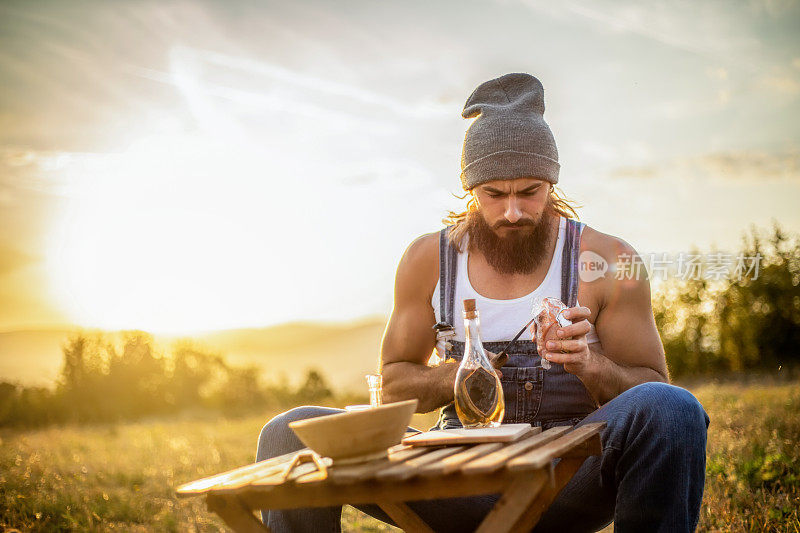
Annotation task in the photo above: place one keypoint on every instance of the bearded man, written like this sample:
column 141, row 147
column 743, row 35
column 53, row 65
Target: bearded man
column 518, row 242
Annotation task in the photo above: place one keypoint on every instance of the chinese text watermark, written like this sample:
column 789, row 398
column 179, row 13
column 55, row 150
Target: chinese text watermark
column 685, row 266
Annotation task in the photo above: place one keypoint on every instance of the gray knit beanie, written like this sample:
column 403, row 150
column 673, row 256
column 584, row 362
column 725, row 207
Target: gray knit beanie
column 510, row 138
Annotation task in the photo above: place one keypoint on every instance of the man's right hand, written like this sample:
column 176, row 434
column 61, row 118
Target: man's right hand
column 497, row 362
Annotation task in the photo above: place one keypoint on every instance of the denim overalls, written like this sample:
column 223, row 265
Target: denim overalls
column 532, row 394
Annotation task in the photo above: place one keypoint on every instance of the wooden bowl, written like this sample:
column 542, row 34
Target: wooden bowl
column 355, row 436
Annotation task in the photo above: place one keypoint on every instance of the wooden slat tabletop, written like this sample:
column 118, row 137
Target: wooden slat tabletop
column 404, row 462
column 357, row 472
column 450, row 464
column 201, row 486
column 497, row 460
column 409, row 468
column 542, row 455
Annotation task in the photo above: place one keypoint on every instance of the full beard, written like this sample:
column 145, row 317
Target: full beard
column 520, row 252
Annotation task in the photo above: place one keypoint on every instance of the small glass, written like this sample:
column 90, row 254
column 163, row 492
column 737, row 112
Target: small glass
column 375, row 386
column 549, row 312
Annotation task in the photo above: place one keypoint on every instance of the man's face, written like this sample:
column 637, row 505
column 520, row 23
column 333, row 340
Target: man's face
column 512, row 206
column 510, row 228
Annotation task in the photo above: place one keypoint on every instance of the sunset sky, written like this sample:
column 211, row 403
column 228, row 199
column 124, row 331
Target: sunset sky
column 182, row 166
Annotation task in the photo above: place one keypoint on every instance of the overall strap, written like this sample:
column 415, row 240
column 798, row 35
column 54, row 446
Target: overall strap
column 569, row 263
column 448, row 257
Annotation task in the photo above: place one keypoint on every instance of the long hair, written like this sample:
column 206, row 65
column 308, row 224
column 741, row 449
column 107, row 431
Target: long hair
column 558, row 203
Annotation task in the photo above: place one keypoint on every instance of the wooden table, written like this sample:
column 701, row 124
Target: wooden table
column 522, row 472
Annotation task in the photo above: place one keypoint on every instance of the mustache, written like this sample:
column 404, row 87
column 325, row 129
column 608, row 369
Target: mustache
column 518, row 224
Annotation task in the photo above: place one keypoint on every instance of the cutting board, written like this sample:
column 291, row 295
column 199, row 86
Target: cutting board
column 503, row 433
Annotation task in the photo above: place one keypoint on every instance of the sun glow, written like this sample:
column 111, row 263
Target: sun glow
column 243, row 214
column 173, row 233
column 154, row 238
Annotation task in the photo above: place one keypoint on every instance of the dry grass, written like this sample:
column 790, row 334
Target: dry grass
column 123, row 476
column 753, row 469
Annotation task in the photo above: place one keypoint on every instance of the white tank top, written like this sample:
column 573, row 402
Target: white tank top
column 502, row 319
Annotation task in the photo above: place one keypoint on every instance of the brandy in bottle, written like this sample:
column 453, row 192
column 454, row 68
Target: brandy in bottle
column 478, row 393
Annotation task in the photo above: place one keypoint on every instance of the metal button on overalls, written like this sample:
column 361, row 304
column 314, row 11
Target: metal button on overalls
column 528, row 385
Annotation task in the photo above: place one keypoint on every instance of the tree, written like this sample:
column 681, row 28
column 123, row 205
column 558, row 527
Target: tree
column 740, row 323
column 314, row 388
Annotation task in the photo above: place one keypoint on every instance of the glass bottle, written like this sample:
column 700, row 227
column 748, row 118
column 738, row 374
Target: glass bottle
column 478, row 393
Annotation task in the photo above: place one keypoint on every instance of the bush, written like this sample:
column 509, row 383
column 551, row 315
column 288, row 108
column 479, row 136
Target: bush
column 736, row 324
column 102, row 382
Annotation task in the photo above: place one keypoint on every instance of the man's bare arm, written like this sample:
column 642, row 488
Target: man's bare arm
column 409, row 338
column 630, row 351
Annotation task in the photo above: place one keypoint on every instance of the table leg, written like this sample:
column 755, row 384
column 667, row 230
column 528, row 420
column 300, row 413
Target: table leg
column 235, row 514
column 405, row 518
column 564, row 471
column 516, row 499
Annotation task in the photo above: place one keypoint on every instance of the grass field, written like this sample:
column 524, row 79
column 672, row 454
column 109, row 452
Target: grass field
column 122, row 477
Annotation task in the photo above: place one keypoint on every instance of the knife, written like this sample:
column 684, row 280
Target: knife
column 502, row 357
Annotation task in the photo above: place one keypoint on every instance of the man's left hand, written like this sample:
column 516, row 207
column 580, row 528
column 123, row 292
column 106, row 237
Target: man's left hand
column 570, row 348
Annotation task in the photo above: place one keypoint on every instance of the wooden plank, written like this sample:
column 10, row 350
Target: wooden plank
column 522, row 492
column 241, row 481
column 448, row 437
column 278, row 478
column 252, row 471
column 410, row 467
column 450, row 464
column 405, row 518
column 564, row 471
column 541, row 456
column 235, row 514
column 593, row 446
column 273, row 476
column 203, row 485
column 497, row 460
column 293, row 496
column 365, row 471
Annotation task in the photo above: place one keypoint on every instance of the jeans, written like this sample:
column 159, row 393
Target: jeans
column 650, row 476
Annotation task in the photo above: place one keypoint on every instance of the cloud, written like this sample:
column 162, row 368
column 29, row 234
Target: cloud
column 63, row 91
column 38, row 171
column 782, row 84
column 706, row 29
column 322, row 86
column 781, row 80
column 638, row 172
column 753, row 164
column 634, row 151
column 748, row 165
column 677, row 109
column 717, row 73
column 774, row 8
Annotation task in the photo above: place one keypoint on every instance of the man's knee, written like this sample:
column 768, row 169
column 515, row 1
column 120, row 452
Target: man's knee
column 277, row 438
column 674, row 408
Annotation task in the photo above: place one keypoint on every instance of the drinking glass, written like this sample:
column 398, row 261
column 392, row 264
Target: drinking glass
column 375, row 385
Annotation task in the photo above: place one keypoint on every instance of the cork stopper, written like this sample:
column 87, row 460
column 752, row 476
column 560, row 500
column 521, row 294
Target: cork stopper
column 470, row 310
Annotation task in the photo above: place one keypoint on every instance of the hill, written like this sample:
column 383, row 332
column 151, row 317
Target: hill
column 31, row 357
column 343, row 352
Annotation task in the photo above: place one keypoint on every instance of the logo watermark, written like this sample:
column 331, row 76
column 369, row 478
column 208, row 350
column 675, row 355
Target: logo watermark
column 684, row 266
column 591, row 266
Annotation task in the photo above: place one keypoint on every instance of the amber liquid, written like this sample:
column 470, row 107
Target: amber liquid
column 479, row 399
